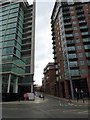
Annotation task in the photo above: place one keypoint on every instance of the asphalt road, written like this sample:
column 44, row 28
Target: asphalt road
column 48, row 108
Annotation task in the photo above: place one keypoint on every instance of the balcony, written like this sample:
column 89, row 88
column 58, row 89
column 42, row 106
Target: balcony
column 54, row 46
column 26, row 38
column 85, row 34
column 88, row 55
column 27, row 32
column 26, row 50
column 53, row 33
column 87, row 48
column 28, row 18
column 79, row 7
column 69, row 29
column 69, row 32
column 67, row 25
column 80, row 12
column 28, row 22
column 26, row 46
column 87, row 40
column 27, row 15
column 52, row 29
column 74, row 58
column 53, row 38
column 55, row 57
column 65, row 9
column 26, row 53
column 27, row 26
column 69, row 35
column 54, row 52
column 71, row 49
column 73, row 64
column 70, row 42
column 53, row 42
column 83, row 23
column 67, row 18
column 66, row 14
column 81, row 17
column 83, row 27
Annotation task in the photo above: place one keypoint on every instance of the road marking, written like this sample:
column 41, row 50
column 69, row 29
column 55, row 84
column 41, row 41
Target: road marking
column 69, row 104
column 83, row 112
column 69, row 110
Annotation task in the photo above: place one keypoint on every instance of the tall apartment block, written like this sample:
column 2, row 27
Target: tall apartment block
column 17, row 39
column 70, row 23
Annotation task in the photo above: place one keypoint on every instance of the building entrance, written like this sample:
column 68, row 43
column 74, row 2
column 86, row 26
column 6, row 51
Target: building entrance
column 80, row 84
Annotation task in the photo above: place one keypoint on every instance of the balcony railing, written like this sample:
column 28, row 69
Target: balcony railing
column 86, row 40
column 69, row 35
column 85, row 33
column 87, row 55
column 70, row 42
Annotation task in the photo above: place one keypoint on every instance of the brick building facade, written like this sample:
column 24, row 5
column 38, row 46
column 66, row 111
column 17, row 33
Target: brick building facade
column 48, row 82
column 70, row 25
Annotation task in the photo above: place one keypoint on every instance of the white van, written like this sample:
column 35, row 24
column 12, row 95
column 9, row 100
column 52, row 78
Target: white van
column 31, row 96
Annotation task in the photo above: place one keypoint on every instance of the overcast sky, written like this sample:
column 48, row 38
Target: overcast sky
column 43, row 40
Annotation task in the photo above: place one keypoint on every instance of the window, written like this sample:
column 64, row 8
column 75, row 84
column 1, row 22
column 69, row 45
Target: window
column 73, row 17
column 9, row 37
column 7, row 51
column 88, row 61
column 87, row 46
column 79, row 47
column 81, row 62
column 77, row 40
column 6, row 67
column 83, row 71
column 75, row 28
column 72, row 11
column 86, row 39
column 4, row 22
column 76, row 34
column 73, row 64
column 27, row 69
column 18, row 53
column 71, row 48
column 72, row 56
column 85, row 33
column 8, row 31
column 74, row 22
column 14, row 10
column 74, row 72
column 9, row 43
column 80, row 54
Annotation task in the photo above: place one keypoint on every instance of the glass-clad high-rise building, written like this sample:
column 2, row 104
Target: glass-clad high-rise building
column 17, row 39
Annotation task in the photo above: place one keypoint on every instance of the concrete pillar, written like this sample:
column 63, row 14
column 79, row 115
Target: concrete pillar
column 15, row 87
column 31, row 88
column 72, row 92
column 88, row 84
column 60, row 90
column 9, row 80
column 66, row 89
column 0, row 83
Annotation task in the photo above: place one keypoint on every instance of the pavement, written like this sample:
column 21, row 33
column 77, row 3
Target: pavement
column 37, row 99
column 80, row 101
